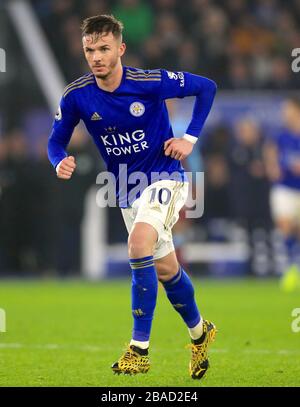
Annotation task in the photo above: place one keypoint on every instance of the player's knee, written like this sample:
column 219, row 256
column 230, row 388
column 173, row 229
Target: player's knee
column 139, row 246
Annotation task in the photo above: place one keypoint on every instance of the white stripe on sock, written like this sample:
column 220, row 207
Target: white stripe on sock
column 142, row 345
column 197, row 331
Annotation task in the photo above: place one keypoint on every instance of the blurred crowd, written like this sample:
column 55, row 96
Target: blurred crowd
column 238, row 43
column 41, row 216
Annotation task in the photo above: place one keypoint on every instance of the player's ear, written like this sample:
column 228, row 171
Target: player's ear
column 122, row 49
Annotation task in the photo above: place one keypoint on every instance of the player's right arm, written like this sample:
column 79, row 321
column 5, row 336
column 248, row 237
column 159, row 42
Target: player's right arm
column 65, row 121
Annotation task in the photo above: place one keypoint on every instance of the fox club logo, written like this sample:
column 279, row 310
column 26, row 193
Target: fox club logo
column 137, row 109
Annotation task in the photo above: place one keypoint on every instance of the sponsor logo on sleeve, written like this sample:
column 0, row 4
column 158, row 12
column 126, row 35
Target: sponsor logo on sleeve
column 176, row 76
column 172, row 75
column 58, row 115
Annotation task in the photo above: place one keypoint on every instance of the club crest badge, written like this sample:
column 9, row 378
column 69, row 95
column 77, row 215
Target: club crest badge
column 137, row 109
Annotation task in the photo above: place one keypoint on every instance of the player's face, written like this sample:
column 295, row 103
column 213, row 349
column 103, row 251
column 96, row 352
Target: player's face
column 102, row 53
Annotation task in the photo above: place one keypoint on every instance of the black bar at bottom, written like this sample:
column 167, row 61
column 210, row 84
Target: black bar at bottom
column 99, row 396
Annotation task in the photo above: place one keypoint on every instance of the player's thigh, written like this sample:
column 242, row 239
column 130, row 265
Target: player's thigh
column 134, row 225
column 142, row 235
column 160, row 204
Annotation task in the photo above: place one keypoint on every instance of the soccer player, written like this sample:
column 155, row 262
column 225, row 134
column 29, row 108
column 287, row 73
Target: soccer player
column 124, row 110
column 283, row 167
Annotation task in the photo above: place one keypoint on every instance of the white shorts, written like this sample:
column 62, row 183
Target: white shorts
column 158, row 205
column 285, row 203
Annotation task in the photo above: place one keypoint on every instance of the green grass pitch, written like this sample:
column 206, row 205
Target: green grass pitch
column 68, row 333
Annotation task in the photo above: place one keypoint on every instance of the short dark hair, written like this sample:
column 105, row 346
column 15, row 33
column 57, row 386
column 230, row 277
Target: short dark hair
column 102, row 24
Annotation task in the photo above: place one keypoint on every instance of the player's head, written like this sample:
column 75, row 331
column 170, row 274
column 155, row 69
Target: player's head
column 102, row 44
column 291, row 113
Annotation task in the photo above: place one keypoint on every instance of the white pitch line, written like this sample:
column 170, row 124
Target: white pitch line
column 95, row 348
column 11, row 345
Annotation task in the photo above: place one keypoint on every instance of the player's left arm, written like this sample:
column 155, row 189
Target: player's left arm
column 179, row 85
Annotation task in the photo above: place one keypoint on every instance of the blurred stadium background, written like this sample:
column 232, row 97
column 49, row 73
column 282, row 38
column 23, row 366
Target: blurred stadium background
column 54, row 228
column 65, row 331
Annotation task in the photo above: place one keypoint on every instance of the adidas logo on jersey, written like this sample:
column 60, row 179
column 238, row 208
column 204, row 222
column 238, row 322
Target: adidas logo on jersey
column 96, row 116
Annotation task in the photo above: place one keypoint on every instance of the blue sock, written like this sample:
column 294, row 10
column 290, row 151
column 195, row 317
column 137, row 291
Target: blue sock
column 180, row 292
column 143, row 296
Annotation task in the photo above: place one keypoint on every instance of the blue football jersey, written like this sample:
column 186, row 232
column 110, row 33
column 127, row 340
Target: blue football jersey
column 288, row 145
column 130, row 125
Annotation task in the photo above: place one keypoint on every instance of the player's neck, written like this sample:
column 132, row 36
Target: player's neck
column 113, row 81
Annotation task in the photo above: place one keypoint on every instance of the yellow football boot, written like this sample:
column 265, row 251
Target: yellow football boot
column 199, row 360
column 134, row 360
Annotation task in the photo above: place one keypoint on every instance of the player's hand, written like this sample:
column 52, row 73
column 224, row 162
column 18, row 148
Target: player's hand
column 66, row 167
column 178, row 148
